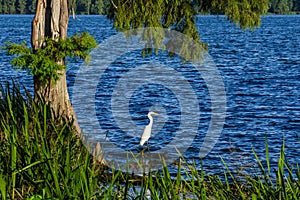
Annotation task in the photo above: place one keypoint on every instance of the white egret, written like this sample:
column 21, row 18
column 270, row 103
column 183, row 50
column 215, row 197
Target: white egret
column 147, row 130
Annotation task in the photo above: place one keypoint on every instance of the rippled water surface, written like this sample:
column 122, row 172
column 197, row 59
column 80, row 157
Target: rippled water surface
column 261, row 74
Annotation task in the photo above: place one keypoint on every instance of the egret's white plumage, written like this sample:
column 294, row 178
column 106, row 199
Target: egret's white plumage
column 147, row 130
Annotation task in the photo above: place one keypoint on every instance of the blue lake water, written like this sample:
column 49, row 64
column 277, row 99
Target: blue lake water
column 260, row 70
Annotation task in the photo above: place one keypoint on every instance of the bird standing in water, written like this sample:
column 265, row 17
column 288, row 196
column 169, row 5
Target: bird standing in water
column 147, row 130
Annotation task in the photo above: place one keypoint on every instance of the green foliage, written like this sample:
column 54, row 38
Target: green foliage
column 180, row 16
column 11, row 6
column 87, row 7
column 245, row 13
column 97, row 7
column 102, row 6
column 161, row 15
column 29, row 6
column 44, row 62
column 5, row 9
column 40, row 158
column 83, row 7
column 21, row 6
column 283, row 6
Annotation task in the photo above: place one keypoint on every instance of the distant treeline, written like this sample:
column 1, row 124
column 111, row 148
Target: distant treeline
column 29, row 6
column 101, row 6
column 284, row 6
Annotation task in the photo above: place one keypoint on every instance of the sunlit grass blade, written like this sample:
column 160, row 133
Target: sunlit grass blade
column 2, row 187
column 235, row 183
column 267, row 155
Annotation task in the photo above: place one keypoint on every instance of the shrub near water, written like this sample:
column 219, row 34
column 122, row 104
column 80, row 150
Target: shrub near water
column 40, row 158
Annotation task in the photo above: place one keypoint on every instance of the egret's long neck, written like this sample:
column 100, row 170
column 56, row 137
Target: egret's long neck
column 151, row 119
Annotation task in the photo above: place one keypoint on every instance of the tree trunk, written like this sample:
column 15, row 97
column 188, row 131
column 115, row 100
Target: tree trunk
column 51, row 20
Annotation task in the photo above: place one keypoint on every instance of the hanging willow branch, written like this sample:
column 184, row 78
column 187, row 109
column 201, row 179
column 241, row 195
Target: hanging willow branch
column 181, row 16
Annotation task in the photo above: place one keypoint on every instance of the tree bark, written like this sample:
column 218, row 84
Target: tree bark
column 51, row 20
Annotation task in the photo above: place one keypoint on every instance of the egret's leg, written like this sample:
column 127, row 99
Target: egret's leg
column 148, row 145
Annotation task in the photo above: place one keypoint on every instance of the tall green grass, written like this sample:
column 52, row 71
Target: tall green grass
column 40, row 154
column 41, row 158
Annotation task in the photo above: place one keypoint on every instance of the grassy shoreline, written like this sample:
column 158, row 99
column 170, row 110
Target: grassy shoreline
column 40, row 158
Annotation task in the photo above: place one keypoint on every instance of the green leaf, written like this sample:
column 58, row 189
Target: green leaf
column 43, row 63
